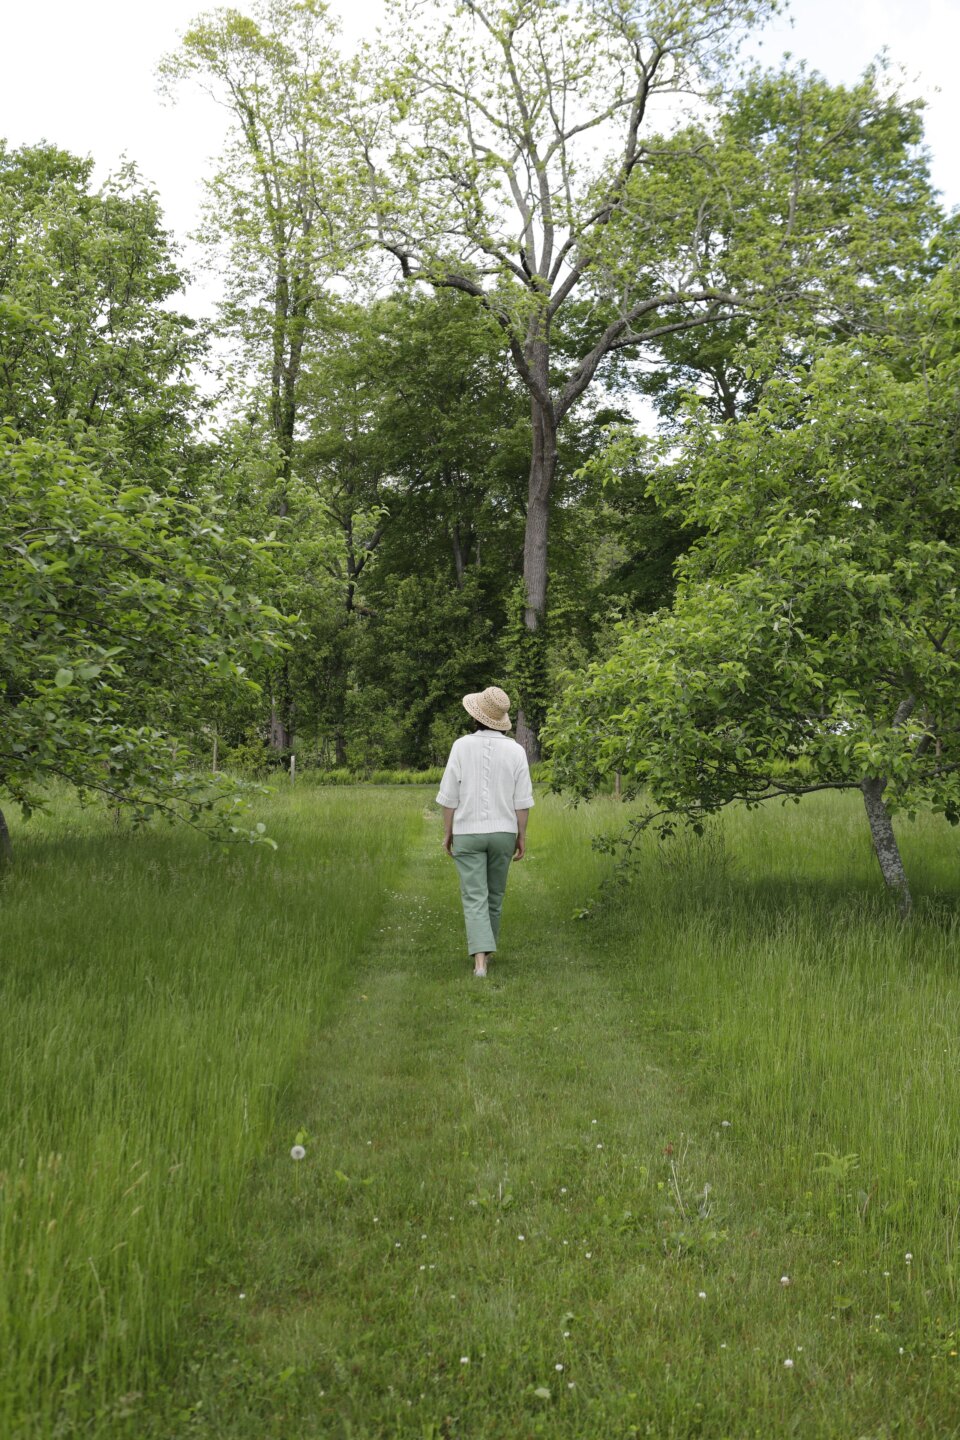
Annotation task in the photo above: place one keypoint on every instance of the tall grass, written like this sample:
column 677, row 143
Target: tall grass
column 814, row 1021
column 155, row 1000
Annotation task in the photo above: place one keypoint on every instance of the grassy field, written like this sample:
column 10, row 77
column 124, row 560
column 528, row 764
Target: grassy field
column 688, row 1166
column 156, row 998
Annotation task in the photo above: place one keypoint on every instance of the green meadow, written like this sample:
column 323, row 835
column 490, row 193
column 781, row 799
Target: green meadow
column 688, row 1165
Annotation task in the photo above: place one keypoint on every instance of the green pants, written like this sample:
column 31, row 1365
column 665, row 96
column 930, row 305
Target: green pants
column 483, row 863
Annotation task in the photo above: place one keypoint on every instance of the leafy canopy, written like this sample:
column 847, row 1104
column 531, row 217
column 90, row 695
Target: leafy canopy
column 120, row 610
column 815, row 637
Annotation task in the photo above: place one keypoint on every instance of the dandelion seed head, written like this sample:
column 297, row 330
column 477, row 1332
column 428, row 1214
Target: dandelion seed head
column 701, row 1294
column 788, row 1363
column 464, row 1359
column 558, row 1366
column 297, row 1152
column 784, row 1279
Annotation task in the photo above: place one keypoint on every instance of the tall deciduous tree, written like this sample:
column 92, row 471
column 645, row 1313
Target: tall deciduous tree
column 273, row 209
column 274, row 213
column 814, row 642
column 91, row 347
column 512, row 157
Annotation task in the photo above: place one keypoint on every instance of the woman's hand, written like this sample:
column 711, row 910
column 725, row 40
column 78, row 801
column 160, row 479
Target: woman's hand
column 521, row 849
column 448, row 844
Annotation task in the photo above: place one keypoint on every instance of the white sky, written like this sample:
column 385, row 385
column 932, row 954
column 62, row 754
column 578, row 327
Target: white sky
column 82, row 76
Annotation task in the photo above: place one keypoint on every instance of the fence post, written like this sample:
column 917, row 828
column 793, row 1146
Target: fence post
column 293, row 768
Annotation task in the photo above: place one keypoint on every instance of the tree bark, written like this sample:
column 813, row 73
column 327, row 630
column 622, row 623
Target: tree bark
column 279, row 734
column 885, row 843
column 459, row 558
column 543, row 471
column 6, row 844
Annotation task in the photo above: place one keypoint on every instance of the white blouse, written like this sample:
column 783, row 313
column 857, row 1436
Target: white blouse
column 487, row 780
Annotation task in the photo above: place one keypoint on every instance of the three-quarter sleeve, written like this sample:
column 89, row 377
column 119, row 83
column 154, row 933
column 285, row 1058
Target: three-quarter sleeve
column 523, row 786
column 449, row 792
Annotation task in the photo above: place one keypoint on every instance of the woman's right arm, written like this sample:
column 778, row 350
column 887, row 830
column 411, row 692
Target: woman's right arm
column 521, row 849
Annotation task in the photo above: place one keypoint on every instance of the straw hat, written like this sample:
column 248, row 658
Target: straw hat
column 490, row 707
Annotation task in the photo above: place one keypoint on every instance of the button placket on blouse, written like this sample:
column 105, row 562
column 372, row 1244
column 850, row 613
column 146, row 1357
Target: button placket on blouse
column 485, row 779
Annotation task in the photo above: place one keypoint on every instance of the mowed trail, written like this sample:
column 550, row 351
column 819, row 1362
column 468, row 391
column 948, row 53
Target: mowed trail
column 466, row 1247
column 519, row 1212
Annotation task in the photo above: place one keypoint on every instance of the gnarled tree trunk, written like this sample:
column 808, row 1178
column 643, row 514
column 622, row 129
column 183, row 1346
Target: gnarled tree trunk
column 885, row 843
column 6, row 844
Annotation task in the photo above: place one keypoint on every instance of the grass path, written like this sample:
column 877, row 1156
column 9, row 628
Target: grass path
column 522, row 1214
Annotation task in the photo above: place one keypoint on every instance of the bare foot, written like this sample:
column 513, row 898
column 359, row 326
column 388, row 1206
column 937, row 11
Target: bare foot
column 480, row 964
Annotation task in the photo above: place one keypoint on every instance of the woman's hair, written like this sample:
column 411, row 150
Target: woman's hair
column 479, row 725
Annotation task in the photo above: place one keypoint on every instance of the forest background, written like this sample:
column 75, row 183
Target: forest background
column 412, row 451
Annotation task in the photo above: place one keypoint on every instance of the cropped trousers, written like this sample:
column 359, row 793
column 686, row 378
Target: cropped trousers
column 483, row 864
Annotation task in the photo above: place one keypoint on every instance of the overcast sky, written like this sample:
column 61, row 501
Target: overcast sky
column 82, row 76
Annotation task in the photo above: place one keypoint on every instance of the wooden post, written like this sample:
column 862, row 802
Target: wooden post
column 617, row 783
column 293, row 768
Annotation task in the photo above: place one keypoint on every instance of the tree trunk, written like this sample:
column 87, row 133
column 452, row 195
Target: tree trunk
column 6, row 844
column 885, row 843
column 281, row 708
column 279, row 734
column 543, row 470
column 459, row 558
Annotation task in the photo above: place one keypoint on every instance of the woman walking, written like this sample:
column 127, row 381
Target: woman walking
column 486, row 795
